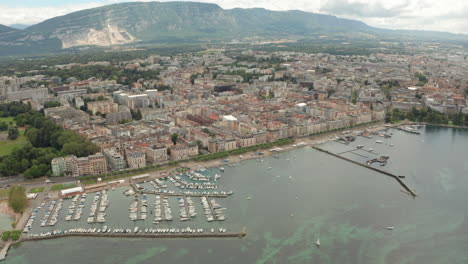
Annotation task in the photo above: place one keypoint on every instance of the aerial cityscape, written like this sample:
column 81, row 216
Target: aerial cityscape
column 180, row 131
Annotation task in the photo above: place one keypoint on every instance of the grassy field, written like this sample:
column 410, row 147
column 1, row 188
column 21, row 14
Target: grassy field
column 36, row 190
column 6, row 146
column 7, row 119
column 59, row 187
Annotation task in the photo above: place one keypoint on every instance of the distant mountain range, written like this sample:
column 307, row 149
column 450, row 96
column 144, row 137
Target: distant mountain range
column 170, row 22
column 19, row 26
column 5, row 29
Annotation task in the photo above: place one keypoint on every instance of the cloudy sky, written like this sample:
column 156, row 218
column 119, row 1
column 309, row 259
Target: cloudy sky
column 440, row 15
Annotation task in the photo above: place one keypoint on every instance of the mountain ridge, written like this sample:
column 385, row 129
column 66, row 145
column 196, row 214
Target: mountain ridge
column 157, row 22
column 6, row 29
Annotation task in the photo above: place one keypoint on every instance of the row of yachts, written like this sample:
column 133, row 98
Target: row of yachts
column 139, row 208
column 98, row 208
column 31, row 218
column 143, row 189
column 196, row 176
column 179, row 182
column 187, row 208
column 129, row 192
column 162, row 210
column 129, row 231
column 213, row 210
column 50, row 218
column 75, row 210
column 157, row 183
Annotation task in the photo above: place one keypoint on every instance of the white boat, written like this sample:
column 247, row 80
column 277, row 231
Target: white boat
column 390, row 227
column 371, row 149
column 318, row 242
column 379, row 141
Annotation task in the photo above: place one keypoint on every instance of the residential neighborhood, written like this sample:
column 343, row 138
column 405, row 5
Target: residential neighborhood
column 220, row 100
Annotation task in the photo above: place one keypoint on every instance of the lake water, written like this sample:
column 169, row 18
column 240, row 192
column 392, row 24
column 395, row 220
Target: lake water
column 308, row 194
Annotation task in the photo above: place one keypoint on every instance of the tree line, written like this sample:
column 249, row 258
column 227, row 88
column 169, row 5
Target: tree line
column 426, row 115
column 103, row 72
column 46, row 141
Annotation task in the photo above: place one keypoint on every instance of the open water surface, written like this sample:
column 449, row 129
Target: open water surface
column 307, row 194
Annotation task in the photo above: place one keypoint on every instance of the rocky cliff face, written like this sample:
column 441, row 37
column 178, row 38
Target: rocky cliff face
column 109, row 35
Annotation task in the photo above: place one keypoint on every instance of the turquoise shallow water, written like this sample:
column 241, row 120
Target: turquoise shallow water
column 308, row 194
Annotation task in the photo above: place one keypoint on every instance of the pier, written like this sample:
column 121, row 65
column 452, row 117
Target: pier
column 4, row 250
column 157, row 184
column 139, row 207
column 406, row 129
column 408, row 190
column 186, row 207
column 190, row 195
column 96, row 212
column 49, row 218
column 212, row 209
column 182, row 184
column 163, row 208
column 75, row 212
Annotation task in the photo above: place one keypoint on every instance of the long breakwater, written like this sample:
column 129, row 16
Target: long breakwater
column 408, row 190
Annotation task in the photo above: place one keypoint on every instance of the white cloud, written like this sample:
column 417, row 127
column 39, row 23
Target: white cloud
column 33, row 15
column 446, row 15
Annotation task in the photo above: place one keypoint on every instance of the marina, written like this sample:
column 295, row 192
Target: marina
column 149, row 212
